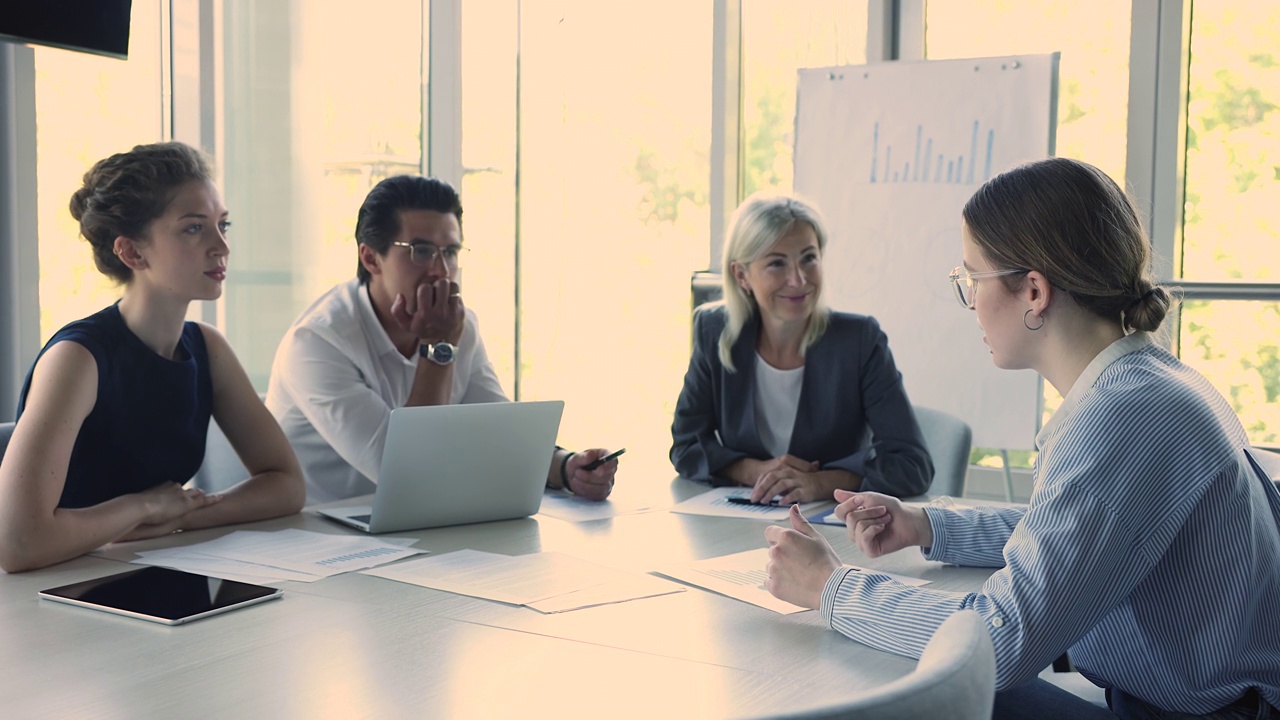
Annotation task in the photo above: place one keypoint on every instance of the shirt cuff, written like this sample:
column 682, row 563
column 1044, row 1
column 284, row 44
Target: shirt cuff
column 828, row 603
column 938, row 526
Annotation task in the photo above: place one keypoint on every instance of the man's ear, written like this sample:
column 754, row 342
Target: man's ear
column 370, row 259
column 127, row 250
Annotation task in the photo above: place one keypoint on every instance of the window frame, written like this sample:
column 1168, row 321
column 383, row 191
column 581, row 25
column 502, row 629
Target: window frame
column 1159, row 61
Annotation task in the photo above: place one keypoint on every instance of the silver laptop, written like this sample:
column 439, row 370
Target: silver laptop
column 457, row 464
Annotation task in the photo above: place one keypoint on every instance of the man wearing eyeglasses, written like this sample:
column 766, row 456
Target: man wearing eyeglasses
column 396, row 335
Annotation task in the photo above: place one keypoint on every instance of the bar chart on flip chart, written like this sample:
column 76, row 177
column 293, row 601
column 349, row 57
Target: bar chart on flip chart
column 924, row 165
column 890, row 153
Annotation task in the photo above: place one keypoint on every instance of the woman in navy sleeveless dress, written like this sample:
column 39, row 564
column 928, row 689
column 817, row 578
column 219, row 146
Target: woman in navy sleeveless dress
column 113, row 416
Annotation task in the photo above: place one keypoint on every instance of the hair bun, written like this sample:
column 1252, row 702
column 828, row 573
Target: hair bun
column 1149, row 310
column 80, row 202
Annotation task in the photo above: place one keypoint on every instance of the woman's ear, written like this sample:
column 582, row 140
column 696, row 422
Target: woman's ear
column 128, row 252
column 740, row 276
column 1037, row 291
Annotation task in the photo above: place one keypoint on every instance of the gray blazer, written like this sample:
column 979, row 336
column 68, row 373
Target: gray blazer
column 854, row 413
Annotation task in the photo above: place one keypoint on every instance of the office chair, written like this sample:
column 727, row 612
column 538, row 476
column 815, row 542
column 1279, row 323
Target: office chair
column 955, row 678
column 948, row 439
column 222, row 467
column 6, row 432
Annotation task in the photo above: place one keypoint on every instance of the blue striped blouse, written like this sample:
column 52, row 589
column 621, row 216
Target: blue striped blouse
column 1150, row 548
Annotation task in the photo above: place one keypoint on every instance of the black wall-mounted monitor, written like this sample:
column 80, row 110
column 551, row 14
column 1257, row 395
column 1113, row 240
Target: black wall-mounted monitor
column 93, row 26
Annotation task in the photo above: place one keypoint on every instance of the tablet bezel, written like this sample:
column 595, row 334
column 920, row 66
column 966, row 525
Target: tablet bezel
column 68, row 594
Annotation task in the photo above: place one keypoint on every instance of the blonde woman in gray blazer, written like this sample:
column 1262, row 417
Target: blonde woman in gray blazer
column 782, row 394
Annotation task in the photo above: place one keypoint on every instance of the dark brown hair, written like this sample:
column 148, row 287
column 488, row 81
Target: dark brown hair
column 1070, row 221
column 378, row 222
column 124, row 193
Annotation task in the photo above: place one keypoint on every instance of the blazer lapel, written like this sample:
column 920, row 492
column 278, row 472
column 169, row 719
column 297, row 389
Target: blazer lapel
column 741, row 387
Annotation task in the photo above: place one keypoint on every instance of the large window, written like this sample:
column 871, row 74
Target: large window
column 614, row 142
column 1230, row 229
column 87, row 108
column 585, row 145
column 1093, row 85
column 778, row 38
column 322, row 101
column 490, row 43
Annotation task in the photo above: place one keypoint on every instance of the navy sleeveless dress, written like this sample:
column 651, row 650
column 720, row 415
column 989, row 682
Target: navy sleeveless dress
column 150, row 421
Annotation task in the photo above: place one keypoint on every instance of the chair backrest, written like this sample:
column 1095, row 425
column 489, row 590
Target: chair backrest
column 222, row 467
column 6, row 432
column 955, row 678
column 948, row 439
column 1269, row 461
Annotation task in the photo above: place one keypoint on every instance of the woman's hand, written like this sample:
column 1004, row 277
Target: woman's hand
column 166, row 506
column 800, row 562
column 167, row 502
column 748, row 470
column 797, row 486
column 879, row 524
column 590, row 484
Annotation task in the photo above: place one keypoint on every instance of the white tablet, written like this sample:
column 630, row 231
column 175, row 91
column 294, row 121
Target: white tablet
column 162, row 595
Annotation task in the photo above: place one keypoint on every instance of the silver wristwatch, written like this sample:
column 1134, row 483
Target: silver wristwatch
column 441, row 353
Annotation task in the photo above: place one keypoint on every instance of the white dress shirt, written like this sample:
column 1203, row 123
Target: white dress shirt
column 335, row 380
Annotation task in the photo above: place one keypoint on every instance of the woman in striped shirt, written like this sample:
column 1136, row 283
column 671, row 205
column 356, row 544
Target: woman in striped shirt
column 1151, row 544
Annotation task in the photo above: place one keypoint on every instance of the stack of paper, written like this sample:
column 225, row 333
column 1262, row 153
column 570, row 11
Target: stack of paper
column 547, row 582
column 300, row 555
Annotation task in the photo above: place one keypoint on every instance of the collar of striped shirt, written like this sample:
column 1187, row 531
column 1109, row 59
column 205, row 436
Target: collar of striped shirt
column 1128, row 344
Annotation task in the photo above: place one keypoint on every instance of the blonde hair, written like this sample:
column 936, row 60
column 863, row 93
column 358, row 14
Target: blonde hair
column 757, row 225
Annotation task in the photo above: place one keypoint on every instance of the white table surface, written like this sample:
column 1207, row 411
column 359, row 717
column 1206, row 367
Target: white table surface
column 360, row 646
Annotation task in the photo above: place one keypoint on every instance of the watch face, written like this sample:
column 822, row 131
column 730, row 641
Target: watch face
column 441, row 353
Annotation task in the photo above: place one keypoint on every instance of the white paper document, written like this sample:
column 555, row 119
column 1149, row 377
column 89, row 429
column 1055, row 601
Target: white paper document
column 194, row 562
column 522, row 579
column 716, row 502
column 291, row 554
column 741, row 576
column 632, row 587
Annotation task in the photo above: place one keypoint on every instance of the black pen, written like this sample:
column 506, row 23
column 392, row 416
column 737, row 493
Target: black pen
column 600, row 461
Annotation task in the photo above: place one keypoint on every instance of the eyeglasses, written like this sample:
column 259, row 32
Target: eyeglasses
column 424, row 254
column 963, row 282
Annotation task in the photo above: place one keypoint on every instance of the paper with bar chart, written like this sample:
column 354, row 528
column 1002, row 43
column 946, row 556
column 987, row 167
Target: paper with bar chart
column 291, row 554
column 890, row 153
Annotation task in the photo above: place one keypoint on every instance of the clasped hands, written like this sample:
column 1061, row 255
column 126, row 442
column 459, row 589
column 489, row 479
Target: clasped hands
column 801, row 560
column 166, row 506
column 788, row 476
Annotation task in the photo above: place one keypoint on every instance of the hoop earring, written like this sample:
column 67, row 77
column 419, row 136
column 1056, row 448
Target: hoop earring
column 1026, row 325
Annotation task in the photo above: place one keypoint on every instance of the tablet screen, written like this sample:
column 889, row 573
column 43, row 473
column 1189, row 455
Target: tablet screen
column 161, row 594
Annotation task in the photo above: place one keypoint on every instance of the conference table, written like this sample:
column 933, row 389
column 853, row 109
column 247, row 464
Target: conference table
column 355, row 645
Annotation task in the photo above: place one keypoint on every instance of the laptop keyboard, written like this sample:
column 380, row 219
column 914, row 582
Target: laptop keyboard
column 362, row 518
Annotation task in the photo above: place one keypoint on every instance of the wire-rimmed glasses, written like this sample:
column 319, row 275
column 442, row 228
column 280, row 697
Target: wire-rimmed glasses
column 424, row 254
column 963, row 282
